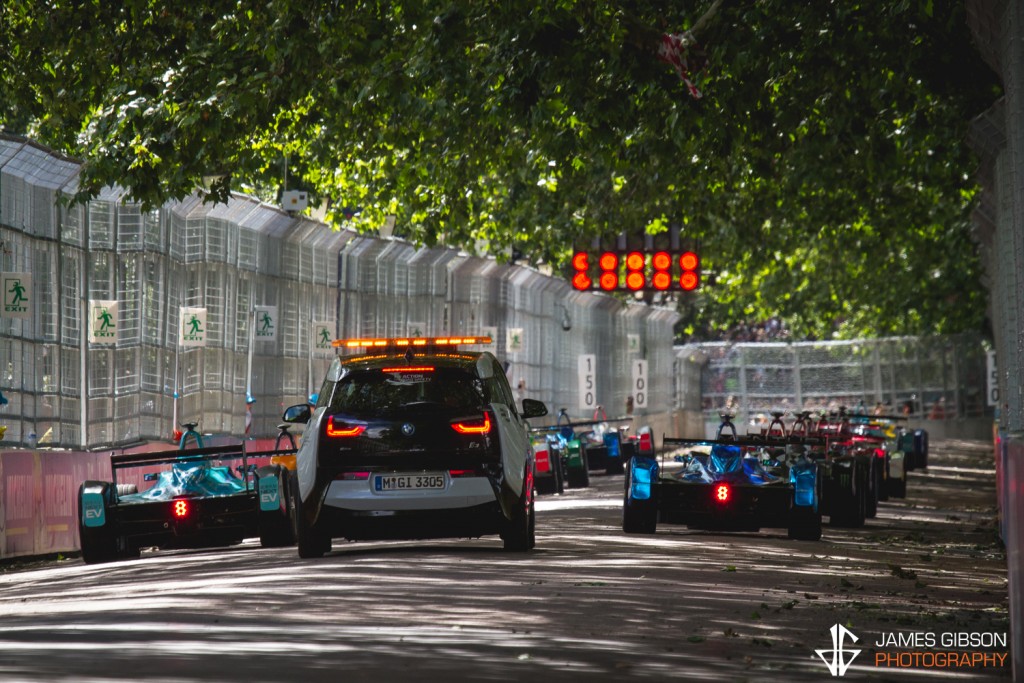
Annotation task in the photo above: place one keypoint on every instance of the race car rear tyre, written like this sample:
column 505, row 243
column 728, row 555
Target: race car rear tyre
column 595, row 457
column 275, row 526
column 805, row 524
column 898, row 487
column 579, row 478
column 99, row 544
column 520, row 534
column 559, row 466
column 638, row 516
column 874, row 484
column 614, row 466
column 311, row 542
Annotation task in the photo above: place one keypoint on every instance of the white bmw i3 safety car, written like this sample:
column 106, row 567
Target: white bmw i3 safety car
column 413, row 439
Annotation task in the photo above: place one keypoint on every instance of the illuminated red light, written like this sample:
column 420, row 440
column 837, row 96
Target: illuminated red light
column 722, row 493
column 688, row 281
column 335, row 430
column 635, row 280
column 635, row 261
column 582, row 282
column 180, row 508
column 689, row 261
column 661, row 261
column 581, row 261
column 609, row 281
column 661, row 280
column 474, row 427
column 410, row 368
column 608, row 261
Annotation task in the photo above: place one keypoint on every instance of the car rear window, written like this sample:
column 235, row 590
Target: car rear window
column 379, row 393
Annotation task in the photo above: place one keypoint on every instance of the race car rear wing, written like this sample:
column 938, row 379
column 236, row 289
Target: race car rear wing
column 177, row 456
column 585, row 423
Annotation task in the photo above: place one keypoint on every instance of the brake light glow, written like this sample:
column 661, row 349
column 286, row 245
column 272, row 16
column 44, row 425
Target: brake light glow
column 337, row 430
column 414, row 368
column 454, row 474
column 180, row 509
column 722, row 493
column 482, row 426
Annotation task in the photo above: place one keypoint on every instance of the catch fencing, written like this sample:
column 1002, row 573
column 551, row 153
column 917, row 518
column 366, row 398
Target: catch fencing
column 933, row 378
column 68, row 387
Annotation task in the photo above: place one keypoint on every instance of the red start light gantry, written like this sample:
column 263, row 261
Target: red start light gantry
column 636, row 270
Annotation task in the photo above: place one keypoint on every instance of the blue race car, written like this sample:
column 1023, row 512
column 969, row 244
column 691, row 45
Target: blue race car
column 194, row 501
column 726, row 484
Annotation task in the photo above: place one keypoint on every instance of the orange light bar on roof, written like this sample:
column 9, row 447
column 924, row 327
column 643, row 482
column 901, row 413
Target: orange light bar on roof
column 405, row 342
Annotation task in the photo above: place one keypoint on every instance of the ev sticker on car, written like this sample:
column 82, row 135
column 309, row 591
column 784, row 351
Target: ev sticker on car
column 93, row 512
column 268, row 493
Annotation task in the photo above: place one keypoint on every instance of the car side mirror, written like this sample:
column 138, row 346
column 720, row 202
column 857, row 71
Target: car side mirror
column 534, row 408
column 298, row 414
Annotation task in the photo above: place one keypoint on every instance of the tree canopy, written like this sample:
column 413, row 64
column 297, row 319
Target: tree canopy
column 824, row 170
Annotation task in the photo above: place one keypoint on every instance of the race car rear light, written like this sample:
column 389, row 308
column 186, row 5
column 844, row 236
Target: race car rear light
column 723, row 493
column 479, row 426
column 879, row 452
column 336, row 430
column 414, row 368
column 353, row 476
column 180, row 509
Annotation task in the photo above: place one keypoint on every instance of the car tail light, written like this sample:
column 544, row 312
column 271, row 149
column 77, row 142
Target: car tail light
column 477, row 426
column 723, row 493
column 180, row 509
column 455, row 474
column 341, row 430
column 879, row 452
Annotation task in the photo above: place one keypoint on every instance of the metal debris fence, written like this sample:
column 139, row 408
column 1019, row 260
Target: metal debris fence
column 67, row 390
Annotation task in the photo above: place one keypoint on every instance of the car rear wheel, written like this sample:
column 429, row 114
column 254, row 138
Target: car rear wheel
column 311, row 541
column 275, row 526
column 805, row 524
column 579, row 477
column 520, row 535
column 898, row 487
column 638, row 516
column 99, row 544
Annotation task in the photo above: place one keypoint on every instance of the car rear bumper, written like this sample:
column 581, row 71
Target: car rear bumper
column 458, row 493
column 403, row 524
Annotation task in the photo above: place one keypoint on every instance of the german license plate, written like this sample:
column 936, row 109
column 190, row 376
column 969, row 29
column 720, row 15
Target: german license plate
column 408, row 482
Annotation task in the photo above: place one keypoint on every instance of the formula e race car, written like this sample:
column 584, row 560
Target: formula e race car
column 184, row 499
column 566, row 446
column 727, row 484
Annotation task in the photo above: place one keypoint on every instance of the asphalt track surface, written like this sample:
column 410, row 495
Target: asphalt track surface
column 589, row 604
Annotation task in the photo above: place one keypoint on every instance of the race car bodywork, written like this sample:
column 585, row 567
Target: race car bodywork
column 204, row 497
column 732, row 484
column 549, row 467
